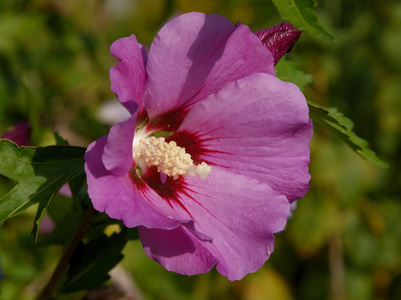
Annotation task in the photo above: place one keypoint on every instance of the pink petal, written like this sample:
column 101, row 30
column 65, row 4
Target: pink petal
column 117, row 157
column 238, row 213
column 257, row 126
column 177, row 250
column 65, row 190
column 117, row 196
column 128, row 78
column 19, row 134
column 163, row 196
column 196, row 55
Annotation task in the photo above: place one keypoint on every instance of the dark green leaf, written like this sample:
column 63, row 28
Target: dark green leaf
column 301, row 14
column 288, row 71
column 132, row 233
column 91, row 262
column 40, row 173
column 60, row 140
column 65, row 216
column 99, row 224
column 342, row 127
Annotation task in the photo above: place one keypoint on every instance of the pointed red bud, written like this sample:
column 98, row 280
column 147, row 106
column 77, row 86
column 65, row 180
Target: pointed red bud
column 279, row 39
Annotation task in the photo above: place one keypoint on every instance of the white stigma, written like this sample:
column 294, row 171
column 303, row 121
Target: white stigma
column 169, row 158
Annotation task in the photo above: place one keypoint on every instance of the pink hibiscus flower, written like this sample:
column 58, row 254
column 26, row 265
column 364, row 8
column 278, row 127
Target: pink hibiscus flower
column 214, row 152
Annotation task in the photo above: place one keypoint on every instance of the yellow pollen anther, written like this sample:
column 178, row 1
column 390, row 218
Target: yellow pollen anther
column 169, row 158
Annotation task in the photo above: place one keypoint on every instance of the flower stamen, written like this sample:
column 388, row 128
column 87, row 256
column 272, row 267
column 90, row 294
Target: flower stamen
column 169, row 158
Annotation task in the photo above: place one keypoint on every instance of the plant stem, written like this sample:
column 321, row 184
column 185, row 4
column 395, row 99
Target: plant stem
column 336, row 264
column 47, row 291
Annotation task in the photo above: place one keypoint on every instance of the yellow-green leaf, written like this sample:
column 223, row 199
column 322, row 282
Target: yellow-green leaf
column 301, row 14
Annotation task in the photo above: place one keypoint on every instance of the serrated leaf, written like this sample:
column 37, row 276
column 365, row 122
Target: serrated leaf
column 301, row 14
column 342, row 126
column 40, row 173
column 60, row 140
column 91, row 262
column 65, row 216
column 288, row 71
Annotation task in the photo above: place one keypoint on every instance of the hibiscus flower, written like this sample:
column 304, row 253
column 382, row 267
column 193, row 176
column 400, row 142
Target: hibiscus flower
column 214, row 152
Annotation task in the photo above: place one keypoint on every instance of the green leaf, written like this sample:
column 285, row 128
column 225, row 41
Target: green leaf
column 40, row 173
column 60, row 140
column 99, row 224
column 91, row 262
column 66, row 217
column 342, row 127
column 301, row 14
column 288, row 71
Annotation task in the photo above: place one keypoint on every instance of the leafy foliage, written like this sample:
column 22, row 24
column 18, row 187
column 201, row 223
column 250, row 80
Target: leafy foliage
column 55, row 62
column 91, row 262
column 289, row 71
column 40, row 173
column 341, row 126
column 302, row 15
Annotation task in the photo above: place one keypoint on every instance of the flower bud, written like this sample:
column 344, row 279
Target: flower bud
column 279, row 39
column 20, row 134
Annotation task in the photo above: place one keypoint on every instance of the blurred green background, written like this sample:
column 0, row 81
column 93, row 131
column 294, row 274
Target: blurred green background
column 344, row 240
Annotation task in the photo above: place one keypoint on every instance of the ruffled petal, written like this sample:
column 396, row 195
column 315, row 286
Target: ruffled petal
column 196, row 55
column 117, row 196
column 128, row 78
column 239, row 214
column 257, row 126
column 117, row 156
column 178, row 250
